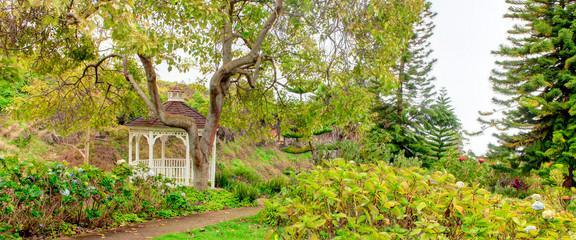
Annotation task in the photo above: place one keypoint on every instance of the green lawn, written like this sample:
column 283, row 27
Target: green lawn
column 242, row 229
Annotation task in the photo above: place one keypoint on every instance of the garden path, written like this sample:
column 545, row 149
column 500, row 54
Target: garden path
column 154, row 228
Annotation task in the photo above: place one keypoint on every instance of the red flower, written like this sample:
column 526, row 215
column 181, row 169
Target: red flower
column 462, row 158
column 481, row 160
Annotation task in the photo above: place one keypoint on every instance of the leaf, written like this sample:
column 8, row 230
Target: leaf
column 420, row 206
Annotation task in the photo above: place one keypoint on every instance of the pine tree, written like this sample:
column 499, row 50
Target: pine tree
column 441, row 129
column 414, row 93
column 536, row 81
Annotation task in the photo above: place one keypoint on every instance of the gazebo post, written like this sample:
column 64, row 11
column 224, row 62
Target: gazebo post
column 150, row 150
column 130, row 148
column 163, row 156
column 187, row 164
column 138, row 148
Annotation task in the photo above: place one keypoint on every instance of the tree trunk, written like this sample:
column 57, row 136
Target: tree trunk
column 400, row 93
column 569, row 180
column 202, row 153
column 87, row 147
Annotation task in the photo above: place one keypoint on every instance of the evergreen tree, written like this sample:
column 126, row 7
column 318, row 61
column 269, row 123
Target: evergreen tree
column 399, row 113
column 441, row 129
column 536, row 81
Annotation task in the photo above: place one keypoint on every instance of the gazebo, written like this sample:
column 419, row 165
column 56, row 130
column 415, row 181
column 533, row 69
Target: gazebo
column 180, row 169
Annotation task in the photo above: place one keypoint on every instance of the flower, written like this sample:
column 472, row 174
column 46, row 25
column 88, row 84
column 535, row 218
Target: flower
column 548, row 214
column 530, row 228
column 537, row 205
column 150, row 173
column 536, row 197
column 120, row 162
column 460, row 184
column 80, row 170
column 65, row 192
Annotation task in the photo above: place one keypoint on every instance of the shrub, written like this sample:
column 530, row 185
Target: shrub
column 296, row 150
column 223, row 177
column 345, row 200
column 245, row 193
column 322, row 131
column 243, row 173
column 467, row 171
column 274, row 185
column 50, row 199
column 292, row 135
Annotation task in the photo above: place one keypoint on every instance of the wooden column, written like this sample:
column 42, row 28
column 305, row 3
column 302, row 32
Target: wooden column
column 138, row 148
column 151, row 150
column 163, row 158
column 130, row 148
column 187, row 168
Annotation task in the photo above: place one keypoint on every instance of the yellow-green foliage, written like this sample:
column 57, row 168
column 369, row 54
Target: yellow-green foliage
column 346, row 200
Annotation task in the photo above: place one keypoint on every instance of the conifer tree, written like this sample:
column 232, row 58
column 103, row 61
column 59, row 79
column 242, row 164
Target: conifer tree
column 536, row 82
column 399, row 112
column 441, row 129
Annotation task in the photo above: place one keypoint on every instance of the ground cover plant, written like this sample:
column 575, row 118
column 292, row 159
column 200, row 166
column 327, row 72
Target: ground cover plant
column 241, row 229
column 345, row 200
column 51, row 199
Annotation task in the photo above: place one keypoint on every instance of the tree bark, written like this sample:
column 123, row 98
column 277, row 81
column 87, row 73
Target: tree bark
column 400, row 91
column 569, row 180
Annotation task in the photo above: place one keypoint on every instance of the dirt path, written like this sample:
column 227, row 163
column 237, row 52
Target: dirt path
column 156, row 228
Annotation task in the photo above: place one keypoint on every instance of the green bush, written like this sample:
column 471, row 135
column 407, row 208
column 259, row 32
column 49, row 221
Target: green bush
column 468, row 170
column 245, row 174
column 345, row 200
column 245, row 193
column 292, row 135
column 274, row 185
column 50, row 199
column 296, row 150
column 223, row 177
column 323, row 131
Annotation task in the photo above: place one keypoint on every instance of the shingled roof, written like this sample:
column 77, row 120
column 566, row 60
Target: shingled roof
column 173, row 107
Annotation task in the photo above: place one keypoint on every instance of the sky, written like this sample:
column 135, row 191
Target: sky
column 466, row 33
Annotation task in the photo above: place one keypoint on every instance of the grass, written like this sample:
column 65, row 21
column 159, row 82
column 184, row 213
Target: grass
column 242, row 229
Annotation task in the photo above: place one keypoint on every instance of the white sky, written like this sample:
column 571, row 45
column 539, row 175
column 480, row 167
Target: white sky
column 466, row 33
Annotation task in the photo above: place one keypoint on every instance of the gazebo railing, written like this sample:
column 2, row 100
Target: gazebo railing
column 170, row 168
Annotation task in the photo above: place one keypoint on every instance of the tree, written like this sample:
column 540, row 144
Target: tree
column 536, row 82
column 11, row 82
column 441, row 129
column 102, row 49
column 402, row 112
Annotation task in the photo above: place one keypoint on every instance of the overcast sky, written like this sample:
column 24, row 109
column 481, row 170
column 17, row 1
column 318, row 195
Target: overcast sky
column 466, row 32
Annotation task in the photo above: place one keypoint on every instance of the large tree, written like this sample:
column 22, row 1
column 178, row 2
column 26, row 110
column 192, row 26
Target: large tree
column 99, row 49
column 536, row 82
column 402, row 110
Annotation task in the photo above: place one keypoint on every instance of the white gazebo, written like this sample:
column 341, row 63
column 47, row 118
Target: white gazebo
column 179, row 169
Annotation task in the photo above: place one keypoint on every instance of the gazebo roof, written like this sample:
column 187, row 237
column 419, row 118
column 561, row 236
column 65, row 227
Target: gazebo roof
column 172, row 107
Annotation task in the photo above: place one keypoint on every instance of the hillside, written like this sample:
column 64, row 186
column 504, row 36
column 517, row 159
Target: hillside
column 28, row 141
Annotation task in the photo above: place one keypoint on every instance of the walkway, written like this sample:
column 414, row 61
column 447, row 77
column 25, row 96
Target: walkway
column 160, row 227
